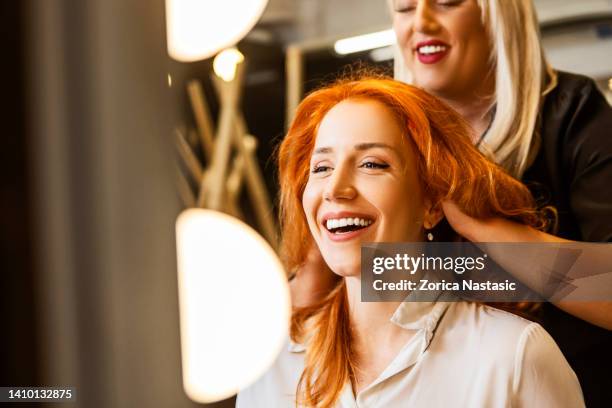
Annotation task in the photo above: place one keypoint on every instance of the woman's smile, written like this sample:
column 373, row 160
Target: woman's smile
column 346, row 225
column 431, row 51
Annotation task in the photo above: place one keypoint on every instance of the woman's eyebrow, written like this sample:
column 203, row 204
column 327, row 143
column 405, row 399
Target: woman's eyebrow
column 321, row 150
column 367, row 146
column 358, row 147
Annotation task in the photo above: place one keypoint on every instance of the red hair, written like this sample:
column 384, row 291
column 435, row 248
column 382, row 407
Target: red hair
column 449, row 168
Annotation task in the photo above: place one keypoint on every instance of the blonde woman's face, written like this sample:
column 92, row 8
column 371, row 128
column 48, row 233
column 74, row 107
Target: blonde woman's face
column 363, row 185
column 445, row 46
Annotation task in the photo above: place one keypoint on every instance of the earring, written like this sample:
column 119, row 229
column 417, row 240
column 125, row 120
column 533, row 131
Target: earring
column 429, row 235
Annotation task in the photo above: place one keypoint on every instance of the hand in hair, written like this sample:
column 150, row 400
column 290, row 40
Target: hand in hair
column 495, row 229
column 503, row 230
column 312, row 281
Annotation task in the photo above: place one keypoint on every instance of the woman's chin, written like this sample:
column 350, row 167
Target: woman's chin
column 345, row 262
column 346, row 271
column 433, row 82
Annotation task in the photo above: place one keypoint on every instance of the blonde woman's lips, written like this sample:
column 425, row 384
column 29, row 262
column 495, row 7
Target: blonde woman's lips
column 431, row 51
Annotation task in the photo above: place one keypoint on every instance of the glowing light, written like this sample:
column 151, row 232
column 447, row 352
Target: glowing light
column 234, row 304
column 226, row 62
column 382, row 54
column 198, row 29
column 169, row 81
column 365, row 42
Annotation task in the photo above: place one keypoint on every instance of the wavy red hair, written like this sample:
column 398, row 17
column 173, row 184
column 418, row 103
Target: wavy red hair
column 449, row 168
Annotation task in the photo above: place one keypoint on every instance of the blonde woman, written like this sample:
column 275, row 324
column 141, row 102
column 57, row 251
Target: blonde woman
column 550, row 129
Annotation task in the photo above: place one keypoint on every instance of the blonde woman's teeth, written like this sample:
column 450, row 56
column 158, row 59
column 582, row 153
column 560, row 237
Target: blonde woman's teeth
column 431, row 49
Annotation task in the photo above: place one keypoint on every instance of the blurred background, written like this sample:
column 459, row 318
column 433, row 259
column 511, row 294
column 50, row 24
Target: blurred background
column 93, row 180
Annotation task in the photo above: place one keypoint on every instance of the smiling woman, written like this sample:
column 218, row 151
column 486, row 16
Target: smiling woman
column 371, row 160
column 353, row 161
column 446, row 47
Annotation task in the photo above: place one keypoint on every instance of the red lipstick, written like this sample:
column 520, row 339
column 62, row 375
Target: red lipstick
column 431, row 51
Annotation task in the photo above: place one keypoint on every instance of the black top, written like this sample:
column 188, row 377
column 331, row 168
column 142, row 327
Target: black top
column 573, row 172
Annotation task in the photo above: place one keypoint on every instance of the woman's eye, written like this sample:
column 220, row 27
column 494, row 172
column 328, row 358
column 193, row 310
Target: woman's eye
column 404, row 6
column 374, row 165
column 320, row 169
column 449, row 3
column 405, row 9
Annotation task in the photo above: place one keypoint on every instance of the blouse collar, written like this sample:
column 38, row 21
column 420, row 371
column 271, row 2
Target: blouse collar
column 410, row 315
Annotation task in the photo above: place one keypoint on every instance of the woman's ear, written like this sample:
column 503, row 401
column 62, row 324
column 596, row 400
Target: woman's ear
column 433, row 215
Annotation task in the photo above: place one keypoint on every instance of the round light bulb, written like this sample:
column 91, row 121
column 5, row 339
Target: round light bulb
column 234, row 304
column 226, row 62
column 198, row 29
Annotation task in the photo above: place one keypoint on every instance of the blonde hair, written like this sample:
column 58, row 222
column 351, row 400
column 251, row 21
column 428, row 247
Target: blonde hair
column 522, row 77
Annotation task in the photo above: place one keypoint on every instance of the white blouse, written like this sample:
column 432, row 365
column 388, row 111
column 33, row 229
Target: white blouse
column 463, row 355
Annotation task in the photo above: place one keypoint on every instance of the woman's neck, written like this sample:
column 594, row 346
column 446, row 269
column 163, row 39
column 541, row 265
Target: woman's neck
column 476, row 111
column 474, row 105
column 376, row 340
column 370, row 321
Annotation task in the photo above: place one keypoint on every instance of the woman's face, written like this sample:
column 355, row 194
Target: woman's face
column 363, row 185
column 445, row 46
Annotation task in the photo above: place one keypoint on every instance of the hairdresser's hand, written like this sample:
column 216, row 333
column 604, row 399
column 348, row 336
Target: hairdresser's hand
column 462, row 223
column 312, row 281
column 495, row 229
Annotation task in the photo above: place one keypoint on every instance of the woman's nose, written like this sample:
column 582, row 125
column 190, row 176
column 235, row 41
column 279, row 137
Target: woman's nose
column 340, row 186
column 425, row 19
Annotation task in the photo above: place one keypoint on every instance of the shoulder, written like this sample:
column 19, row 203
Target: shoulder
column 575, row 124
column 516, row 333
column 484, row 319
column 484, row 331
column 278, row 383
column 514, row 353
column 525, row 345
column 542, row 376
column 574, row 102
column 571, row 81
column 570, row 85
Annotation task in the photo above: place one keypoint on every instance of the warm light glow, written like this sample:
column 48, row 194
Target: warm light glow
column 234, row 304
column 382, row 54
column 169, row 81
column 225, row 63
column 198, row 29
column 365, row 42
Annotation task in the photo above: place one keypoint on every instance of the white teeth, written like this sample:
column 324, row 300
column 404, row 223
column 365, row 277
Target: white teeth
column 332, row 224
column 431, row 49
